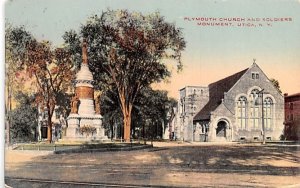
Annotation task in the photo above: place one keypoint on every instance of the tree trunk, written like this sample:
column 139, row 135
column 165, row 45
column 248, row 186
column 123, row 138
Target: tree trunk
column 126, row 107
column 127, row 122
column 143, row 130
column 49, row 131
column 8, row 109
column 111, row 123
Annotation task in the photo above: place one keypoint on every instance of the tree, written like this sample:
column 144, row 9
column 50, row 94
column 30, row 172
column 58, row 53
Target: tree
column 126, row 51
column 15, row 42
column 152, row 105
column 111, row 112
column 149, row 112
column 276, row 84
column 51, row 69
column 24, row 119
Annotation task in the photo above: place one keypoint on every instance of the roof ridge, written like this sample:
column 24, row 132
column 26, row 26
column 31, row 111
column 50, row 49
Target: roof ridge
column 240, row 72
column 216, row 93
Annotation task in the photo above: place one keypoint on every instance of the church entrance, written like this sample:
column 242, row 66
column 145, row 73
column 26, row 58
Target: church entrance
column 221, row 129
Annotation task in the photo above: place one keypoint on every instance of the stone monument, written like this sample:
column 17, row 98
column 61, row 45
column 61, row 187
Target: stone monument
column 84, row 122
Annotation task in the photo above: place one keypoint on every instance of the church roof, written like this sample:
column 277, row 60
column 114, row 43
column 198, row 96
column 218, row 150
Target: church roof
column 216, row 94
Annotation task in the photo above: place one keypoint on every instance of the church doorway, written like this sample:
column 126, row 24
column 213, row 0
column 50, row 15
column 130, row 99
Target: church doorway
column 221, row 129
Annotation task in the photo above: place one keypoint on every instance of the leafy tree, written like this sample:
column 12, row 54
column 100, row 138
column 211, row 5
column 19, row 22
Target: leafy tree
column 126, row 51
column 63, row 101
column 276, row 84
column 24, row 119
column 152, row 107
column 51, row 68
column 73, row 47
column 15, row 42
column 111, row 112
column 52, row 71
column 149, row 111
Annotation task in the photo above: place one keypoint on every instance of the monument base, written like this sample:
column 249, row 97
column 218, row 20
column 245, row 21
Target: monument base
column 85, row 128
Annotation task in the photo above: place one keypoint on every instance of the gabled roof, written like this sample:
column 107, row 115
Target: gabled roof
column 216, row 94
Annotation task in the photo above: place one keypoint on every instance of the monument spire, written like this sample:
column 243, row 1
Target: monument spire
column 84, row 52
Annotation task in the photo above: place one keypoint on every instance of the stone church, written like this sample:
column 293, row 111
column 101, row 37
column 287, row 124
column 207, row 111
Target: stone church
column 243, row 106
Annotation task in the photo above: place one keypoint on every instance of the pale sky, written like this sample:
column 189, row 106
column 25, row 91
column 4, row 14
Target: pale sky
column 212, row 52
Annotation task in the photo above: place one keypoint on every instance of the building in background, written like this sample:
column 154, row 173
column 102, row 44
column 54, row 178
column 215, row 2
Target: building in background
column 292, row 116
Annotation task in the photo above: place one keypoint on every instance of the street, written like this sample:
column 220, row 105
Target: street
column 165, row 165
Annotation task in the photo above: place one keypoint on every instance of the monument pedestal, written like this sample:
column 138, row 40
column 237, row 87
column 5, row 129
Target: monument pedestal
column 166, row 134
column 100, row 130
column 76, row 122
column 73, row 127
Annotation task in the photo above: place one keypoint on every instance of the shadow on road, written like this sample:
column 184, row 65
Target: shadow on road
column 264, row 160
column 147, row 167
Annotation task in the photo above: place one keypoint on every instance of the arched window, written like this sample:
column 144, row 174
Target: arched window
column 254, row 109
column 268, row 112
column 254, row 94
column 241, row 112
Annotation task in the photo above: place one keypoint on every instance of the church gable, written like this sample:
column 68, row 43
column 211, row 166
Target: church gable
column 222, row 110
column 254, row 78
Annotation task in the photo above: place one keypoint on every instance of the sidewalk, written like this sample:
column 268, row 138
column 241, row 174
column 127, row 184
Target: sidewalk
column 22, row 156
column 181, row 143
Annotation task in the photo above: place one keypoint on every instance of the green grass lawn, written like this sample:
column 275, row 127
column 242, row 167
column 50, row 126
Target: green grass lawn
column 72, row 145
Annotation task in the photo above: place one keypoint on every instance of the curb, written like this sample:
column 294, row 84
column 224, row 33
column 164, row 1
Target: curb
column 83, row 150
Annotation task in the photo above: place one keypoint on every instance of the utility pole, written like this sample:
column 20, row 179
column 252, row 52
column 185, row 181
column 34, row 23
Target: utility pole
column 183, row 114
column 193, row 98
column 262, row 115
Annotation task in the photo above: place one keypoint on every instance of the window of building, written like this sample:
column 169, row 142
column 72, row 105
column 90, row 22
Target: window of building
column 291, row 117
column 255, row 76
column 254, row 95
column 242, row 112
column 254, row 116
column 254, row 109
column 268, row 113
column 291, row 106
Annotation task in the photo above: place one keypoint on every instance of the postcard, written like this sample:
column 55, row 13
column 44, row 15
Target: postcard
column 170, row 93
